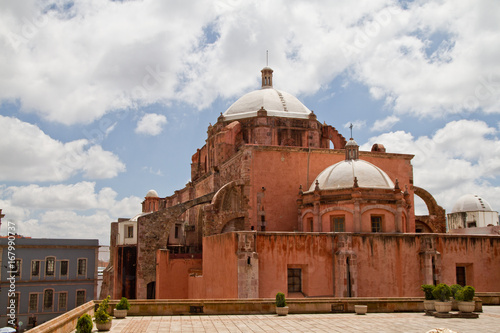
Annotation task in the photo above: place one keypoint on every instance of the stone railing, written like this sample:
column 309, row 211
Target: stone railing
column 66, row 322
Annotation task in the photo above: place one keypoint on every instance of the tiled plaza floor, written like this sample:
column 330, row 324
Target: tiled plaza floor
column 488, row 321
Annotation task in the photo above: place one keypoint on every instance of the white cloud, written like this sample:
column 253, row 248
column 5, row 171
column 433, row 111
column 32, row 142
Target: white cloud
column 462, row 157
column 28, row 154
column 384, row 124
column 151, row 124
column 75, row 65
column 65, row 211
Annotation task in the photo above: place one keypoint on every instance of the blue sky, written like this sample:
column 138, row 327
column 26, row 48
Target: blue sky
column 101, row 101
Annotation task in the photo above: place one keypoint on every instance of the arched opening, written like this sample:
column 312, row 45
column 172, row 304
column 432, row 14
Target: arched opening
column 237, row 224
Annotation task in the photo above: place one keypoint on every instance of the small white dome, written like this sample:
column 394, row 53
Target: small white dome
column 471, row 203
column 152, row 194
column 341, row 175
column 277, row 104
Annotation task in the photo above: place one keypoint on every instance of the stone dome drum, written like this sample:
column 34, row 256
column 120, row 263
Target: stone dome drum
column 341, row 175
column 471, row 203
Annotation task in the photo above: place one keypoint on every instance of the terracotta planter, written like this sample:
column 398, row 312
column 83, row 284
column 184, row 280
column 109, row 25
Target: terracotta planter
column 120, row 313
column 361, row 309
column 442, row 307
column 429, row 305
column 282, row 311
column 466, row 306
column 103, row 327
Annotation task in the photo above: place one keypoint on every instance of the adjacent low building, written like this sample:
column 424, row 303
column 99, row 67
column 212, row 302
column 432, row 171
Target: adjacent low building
column 47, row 278
column 472, row 211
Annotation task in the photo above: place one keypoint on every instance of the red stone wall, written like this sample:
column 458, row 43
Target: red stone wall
column 220, row 272
column 311, row 252
column 172, row 275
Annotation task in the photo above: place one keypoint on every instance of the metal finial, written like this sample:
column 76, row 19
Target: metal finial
column 267, row 58
column 351, row 126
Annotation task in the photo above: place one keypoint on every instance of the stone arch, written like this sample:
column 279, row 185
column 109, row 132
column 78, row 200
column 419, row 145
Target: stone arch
column 227, row 211
column 331, row 134
column 367, row 208
column 436, row 220
column 331, row 209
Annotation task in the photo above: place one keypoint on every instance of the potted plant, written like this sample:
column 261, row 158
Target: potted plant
column 442, row 294
column 84, row 324
column 454, row 302
column 361, row 309
column 281, row 308
column 465, row 298
column 429, row 298
column 101, row 316
column 121, row 308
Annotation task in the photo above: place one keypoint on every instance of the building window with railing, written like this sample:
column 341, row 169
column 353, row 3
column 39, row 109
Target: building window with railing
column 63, row 301
column 80, row 297
column 64, row 268
column 48, row 299
column 50, row 266
column 33, row 303
column 35, row 268
column 82, row 267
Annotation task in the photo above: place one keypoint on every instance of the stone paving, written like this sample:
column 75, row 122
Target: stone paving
column 488, row 321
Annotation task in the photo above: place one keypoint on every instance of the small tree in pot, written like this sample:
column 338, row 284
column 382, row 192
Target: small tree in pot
column 281, row 308
column 121, row 308
column 442, row 294
column 429, row 297
column 84, row 324
column 101, row 316
column 465, row 298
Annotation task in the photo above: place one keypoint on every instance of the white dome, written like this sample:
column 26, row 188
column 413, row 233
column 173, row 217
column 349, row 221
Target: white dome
column 277, row 104
column 471, row 203
column 152, row 194
column 341, row 175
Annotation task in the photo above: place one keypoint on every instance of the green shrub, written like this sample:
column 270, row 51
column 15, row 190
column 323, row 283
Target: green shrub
column 102, row 316
column 123, row 304
column 280, row 300
column 468, row 293
column 442, row 292
column 454, row 288
column 84, row 324
column 428, row 289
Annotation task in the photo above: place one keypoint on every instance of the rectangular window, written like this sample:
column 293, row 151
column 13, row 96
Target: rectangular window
column 63, row 301
column 337, row 224
column 80, row 297
column 16, row 270
column 176, row 232
column 82, row 266
column 50, row 265
column 294, row 280
column 35, row 268
column 33, row 302
column 461, row 277
column 48, row 299
column 130, row 231
column 64, row 267
column 310, row 224
column 376, row 223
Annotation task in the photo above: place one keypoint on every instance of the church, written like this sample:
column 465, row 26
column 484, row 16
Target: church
column 280, row 202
